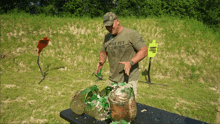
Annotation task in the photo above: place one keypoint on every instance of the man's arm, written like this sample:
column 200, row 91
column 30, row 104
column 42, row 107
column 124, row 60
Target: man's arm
column 102, row 57
column 141, row 54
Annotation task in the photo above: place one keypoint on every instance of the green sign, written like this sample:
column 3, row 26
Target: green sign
column 152, row 49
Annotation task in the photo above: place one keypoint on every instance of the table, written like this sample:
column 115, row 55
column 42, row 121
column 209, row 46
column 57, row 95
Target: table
column 145, row 115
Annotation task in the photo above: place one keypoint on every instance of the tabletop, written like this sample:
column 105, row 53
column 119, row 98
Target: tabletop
column 145, row 115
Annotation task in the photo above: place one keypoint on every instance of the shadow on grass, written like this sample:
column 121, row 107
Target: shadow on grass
column 45, row 73
column 148, row 81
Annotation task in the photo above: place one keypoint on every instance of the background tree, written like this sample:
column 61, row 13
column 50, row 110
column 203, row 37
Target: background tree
column 7, row 5
column 127, row 7
column 74, row 7
column 207, row 11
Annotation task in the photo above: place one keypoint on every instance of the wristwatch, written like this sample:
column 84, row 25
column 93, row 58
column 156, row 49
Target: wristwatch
column 132, row 63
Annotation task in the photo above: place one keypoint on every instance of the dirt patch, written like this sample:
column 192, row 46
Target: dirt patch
column 18, row 99
column 171, row 97
column 11, row 34
column 156, row 96
column 21, row 64
column 201, row 80
column 215, row 89
column 190, row 60
column 46, row 88
column 24, row 122
column 80, row 81
column 10, row 86
column 92, row 82
column 74, row 30
column 42, row 32
column 21, row 32
column 19, row 50
column 64, row 69
column 36, row 120
column 185, row 108
column 180, row 101
column 6, row 101
column 212, row 88
column 213, row 103
column 59, row 93
column 158, row 76
column 31, row 101
column 24, row 39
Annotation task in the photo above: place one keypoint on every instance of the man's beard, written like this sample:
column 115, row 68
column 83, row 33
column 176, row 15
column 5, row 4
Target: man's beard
column 113, row 31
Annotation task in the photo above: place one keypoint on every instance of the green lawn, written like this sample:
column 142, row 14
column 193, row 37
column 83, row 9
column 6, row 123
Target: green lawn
column 187, row 60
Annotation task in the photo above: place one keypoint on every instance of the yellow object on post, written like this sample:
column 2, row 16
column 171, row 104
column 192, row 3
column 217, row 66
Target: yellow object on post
column 152, row 49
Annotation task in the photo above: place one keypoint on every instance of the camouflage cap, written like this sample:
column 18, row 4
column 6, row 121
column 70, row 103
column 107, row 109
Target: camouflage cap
column 109, row 18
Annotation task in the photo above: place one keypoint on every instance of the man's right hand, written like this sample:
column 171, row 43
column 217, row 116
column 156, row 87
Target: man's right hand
column 102, row 59
column 99, row 66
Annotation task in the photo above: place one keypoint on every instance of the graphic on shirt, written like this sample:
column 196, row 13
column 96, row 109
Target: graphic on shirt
column 115, row 48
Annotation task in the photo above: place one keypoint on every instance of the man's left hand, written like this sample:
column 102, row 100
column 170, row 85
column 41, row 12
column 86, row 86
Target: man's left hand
column 127, row 66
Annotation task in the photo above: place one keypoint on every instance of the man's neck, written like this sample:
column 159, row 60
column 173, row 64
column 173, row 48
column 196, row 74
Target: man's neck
column 120, row 29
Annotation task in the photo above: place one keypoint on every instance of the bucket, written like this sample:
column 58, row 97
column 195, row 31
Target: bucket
column 123, row 104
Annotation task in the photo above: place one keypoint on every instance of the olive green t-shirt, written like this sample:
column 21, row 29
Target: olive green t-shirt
column 120, row 48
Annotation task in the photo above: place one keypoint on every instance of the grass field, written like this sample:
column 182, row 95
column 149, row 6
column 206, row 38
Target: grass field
column 187, row 60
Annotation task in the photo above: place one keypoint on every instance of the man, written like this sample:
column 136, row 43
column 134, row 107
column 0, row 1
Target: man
column 124, row 48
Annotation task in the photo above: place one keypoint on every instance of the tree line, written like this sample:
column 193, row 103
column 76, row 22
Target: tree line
column 207, row 11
